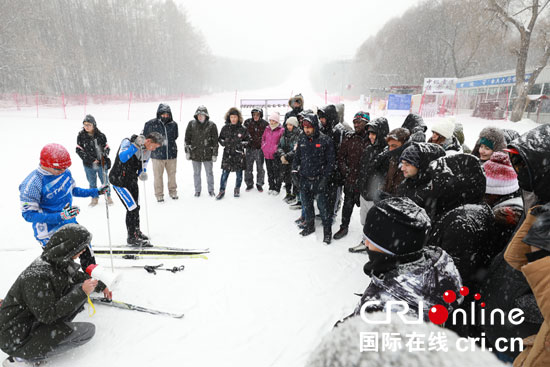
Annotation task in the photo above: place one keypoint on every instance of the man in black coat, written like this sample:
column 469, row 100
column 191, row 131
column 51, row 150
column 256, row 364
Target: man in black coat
column 416, row 126
column 166, row 157
column 414, row 165
column 328, row 121
column 254, row 154
column 36, row 314
column 314, row 160
column 130, row 164
column 201, row 147
column 349, row 159
column 297, row 105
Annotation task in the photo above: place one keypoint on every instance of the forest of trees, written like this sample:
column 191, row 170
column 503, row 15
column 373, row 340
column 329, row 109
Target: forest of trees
column 437, row 38
column 147, row 47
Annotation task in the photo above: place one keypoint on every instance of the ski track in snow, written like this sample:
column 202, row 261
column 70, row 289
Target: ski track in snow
column 265, row 296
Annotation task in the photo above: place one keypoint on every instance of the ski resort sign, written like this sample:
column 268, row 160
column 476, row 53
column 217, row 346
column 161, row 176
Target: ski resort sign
column 440, row 86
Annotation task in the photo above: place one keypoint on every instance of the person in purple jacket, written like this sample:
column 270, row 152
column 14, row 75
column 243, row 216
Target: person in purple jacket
column 270, row 141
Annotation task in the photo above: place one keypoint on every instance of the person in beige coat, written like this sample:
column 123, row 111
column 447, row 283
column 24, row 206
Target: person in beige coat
column 534, row 262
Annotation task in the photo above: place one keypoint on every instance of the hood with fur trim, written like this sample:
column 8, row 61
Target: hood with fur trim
column 233, row 111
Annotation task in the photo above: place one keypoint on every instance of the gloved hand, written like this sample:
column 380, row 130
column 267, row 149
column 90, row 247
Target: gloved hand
column 70, row 212
column 105, row 189
column 140, row 140
column 188, row 156
column 214, row 158
column 143, row 176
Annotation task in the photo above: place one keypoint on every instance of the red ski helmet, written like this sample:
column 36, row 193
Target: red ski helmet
column 55, row 156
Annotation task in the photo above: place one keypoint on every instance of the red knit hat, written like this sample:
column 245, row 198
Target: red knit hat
column 501, row 177
column 55, row 156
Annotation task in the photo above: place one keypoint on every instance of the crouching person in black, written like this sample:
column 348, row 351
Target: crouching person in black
column 36, row 314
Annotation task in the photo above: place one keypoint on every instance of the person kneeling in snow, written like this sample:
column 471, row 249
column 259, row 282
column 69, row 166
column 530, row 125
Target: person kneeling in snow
column 400, row 267
column 36, row 314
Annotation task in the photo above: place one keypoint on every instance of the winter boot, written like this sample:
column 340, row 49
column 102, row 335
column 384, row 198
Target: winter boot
column 211, row 193
column 302, row 225
column 309, row 229
column 260, row 188
column 299, row 220
column 327, row 235
column 141, row 235
column 359, row 248
column 237, row 192
column 197, row 194
column 221, row 194
column 296, row 206
column 135, row 241
column 249, row 187
column 160, row 199
column 94, row 202
column 18, row 362
column 174, row 196
column 341, row 232
column 288, row 198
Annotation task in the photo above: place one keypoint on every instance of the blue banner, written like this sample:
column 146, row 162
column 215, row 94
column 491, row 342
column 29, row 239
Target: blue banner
column 401, row 102
column 490, row 82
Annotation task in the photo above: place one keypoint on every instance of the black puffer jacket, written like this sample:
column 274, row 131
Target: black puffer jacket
column 314, row 155
column 336, row 133
column 92, row 147
column 369, row 179
column 201, row 138
column 465, row 234
column 168, row 130
column 417, row 127
column 288, row 144
column 456, row 180
column 48, row 290
column 256, row 130
column 234, row 139
column 426, row 278
column 534, row 148
column 417, row 188
column 505, row 288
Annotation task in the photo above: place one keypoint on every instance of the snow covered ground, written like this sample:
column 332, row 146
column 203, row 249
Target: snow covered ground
column 265, row 296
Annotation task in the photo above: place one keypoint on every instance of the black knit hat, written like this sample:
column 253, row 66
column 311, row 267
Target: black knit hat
column 397, row 226
column 411, row 155
column 90, row 119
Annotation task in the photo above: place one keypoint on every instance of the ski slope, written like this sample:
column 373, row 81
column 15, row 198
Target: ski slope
column 265, row 296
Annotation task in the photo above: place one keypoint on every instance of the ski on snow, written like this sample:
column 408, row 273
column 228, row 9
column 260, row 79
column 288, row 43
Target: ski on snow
column 153, row 268
column 150, row 252
column 153, row 248
column 131, row 307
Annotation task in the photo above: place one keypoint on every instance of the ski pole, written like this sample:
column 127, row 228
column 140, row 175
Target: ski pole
column 106, row 203
column 145, row 197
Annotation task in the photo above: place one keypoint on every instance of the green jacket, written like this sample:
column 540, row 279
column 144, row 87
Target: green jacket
column 47, row 291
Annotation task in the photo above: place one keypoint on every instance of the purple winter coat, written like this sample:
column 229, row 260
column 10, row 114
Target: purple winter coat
column 270, row 141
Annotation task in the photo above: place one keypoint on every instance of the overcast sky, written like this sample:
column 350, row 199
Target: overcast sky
column 264, row 30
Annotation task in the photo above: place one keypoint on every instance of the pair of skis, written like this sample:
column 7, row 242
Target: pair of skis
column 157, row 252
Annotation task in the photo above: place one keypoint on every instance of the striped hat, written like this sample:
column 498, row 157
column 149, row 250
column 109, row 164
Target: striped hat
column 501, row 177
